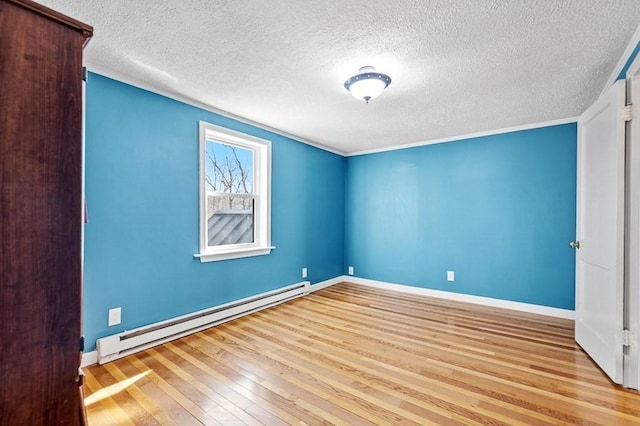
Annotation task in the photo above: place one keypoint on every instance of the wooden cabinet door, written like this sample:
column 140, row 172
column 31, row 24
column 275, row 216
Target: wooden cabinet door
column 40, row 214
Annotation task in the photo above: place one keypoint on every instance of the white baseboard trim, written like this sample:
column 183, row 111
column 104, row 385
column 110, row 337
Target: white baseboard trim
column 327, row 283
column 468, row 298
column 89, row 358
column 138, row 339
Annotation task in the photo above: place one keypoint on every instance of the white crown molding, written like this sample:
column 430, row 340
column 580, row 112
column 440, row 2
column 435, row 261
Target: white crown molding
column 467, row 298
column 115, row 75
column 469, row 136
column 635, row 39
column 189, row 101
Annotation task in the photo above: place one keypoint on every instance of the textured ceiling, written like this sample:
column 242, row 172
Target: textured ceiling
column 458, row 67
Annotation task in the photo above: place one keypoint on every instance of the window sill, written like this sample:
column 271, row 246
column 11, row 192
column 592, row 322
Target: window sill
column 233, row 254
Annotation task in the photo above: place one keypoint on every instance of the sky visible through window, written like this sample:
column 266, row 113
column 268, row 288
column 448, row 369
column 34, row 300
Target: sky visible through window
column 228, row 168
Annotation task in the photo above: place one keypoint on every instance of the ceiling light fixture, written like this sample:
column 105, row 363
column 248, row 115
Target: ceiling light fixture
column 367, row 84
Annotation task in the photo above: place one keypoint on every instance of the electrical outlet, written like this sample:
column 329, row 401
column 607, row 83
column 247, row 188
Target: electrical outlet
column 115, row 316
column 304, row 272
column 451, row 276
column 351, row 270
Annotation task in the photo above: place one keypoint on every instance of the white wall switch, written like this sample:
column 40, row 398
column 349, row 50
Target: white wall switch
column 304, row 272
column 115, row 316
column 451, row 276
column 350, row 270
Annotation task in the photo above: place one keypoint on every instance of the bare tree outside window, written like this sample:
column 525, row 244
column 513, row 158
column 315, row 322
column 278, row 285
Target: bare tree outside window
column 229, row 169
column 229, row 187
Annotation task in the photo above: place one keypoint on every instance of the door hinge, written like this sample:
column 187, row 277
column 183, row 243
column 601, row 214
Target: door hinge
column 627, row 111
column 81, row 343
column 85, row 74
column 628, row 338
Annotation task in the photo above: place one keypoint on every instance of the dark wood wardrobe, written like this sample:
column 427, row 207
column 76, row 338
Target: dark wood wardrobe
column 40, row 214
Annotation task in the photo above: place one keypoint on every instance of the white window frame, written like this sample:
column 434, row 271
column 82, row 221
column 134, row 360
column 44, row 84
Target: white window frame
column 261, row 149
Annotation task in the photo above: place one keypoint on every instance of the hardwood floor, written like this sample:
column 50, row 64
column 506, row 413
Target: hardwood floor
column 353, row 355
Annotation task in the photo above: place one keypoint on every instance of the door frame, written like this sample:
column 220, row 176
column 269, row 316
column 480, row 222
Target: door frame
column 631, row 359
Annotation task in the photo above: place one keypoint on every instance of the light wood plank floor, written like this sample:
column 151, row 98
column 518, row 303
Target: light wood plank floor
column 353, row 355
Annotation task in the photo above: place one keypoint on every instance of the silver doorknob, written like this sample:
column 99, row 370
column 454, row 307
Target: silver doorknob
column 574, row 244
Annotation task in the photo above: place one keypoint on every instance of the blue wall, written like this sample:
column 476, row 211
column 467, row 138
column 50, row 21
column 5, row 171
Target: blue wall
column 142, row 197
column 498, row 210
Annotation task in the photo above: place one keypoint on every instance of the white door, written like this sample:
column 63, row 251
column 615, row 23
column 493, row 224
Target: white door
column 600, row 231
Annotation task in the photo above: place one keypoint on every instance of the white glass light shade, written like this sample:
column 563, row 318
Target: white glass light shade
column 367, row 84
column 368, row 89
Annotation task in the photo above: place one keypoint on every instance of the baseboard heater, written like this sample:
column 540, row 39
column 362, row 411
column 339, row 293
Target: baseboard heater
column 132, row 341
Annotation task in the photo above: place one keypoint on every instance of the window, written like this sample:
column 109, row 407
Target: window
column 235, row 202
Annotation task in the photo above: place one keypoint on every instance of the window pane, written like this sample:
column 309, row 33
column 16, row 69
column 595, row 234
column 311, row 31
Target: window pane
column 228, row 169
column 229, row 220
